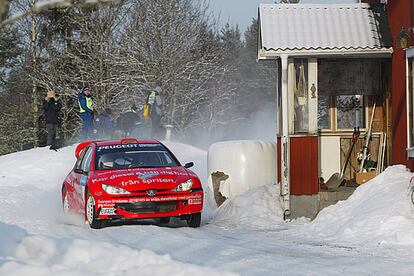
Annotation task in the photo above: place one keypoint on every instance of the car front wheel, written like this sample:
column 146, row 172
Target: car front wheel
column 194, row 220
column 91, row 215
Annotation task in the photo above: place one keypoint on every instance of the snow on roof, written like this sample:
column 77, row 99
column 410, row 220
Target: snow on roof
column 348, row 28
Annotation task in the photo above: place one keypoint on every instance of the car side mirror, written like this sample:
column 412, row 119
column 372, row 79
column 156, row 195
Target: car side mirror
column 189, row 165
column 80, row 171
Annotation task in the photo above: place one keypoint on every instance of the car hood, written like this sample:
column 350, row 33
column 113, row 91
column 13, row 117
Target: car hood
column 140, row 179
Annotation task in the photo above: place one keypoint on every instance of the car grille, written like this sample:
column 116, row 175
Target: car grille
column 148, row 207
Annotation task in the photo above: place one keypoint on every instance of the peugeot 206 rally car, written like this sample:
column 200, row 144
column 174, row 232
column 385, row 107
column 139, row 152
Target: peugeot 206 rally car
column 131, row 179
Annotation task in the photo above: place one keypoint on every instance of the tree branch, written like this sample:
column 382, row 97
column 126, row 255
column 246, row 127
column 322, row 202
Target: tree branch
column 47, row 5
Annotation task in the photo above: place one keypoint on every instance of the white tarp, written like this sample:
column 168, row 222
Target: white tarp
column 247, row 163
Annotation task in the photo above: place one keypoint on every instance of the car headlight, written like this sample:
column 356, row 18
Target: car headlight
column 185, row 186
column 112, row 190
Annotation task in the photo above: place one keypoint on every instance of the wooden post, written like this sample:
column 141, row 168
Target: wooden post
column 313, row 95
column 285, row 174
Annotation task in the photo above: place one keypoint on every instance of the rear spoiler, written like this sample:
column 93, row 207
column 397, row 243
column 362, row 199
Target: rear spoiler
column 82, row 146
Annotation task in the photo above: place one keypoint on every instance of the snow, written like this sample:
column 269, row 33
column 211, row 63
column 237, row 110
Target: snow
column 260, row 205
column 40, row 255
column 371, row 233
column 379, row 211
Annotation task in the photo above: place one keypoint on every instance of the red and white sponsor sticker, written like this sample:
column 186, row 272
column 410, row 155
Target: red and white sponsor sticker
column 107, row 211
column 195, row 199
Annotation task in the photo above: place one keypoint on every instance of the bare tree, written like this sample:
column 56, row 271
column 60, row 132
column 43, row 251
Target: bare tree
column 165, row 40
column 41, row 6
column 125, row 50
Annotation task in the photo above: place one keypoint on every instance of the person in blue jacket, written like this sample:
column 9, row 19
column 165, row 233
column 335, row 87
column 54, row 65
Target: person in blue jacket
column 86, row 113
column 103, row 126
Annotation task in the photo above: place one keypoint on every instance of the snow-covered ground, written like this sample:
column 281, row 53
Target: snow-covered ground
column 372, row 233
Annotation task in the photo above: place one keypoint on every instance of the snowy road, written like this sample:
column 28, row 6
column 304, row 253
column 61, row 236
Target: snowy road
column 46, row 242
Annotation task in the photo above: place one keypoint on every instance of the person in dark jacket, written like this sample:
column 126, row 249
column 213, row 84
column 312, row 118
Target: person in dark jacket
column 103, row 126
column 51, row 109
column 128, row 120
column 86, row 113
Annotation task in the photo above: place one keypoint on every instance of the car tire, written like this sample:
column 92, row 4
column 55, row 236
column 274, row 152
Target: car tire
column 194, row 220
column 165, row 220
column 91, row 215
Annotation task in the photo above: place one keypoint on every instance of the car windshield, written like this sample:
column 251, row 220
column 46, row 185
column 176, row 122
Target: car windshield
column 115, row 157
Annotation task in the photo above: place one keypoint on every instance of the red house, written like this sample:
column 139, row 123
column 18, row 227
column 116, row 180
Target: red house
column 340, row 68
column 400, row 17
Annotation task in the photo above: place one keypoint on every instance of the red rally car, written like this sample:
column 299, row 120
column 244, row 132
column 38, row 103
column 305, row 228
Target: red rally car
column 131, row 179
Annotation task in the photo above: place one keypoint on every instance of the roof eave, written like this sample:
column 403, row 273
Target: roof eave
column 274, row 54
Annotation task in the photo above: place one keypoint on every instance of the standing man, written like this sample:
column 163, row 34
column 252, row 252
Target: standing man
column 51, row 109
column 128, row 120
column 155, row 102
column 86, row 113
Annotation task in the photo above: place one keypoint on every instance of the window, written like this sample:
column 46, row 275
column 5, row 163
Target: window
column 79, row 160
column 301, row 104
column 123, row 158
column 86, row 160
column 324, row 112
column 350, row 112
column 343, row 112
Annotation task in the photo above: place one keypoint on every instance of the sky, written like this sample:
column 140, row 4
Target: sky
column 241, row 12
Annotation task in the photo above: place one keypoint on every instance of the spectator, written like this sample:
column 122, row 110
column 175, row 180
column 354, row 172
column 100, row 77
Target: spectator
column 154, row 100
column 86, row 113
column 128, row 120
column 51, row 109
column 103, row 127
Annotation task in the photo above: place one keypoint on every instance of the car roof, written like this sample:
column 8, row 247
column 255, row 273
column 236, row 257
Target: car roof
column 126, row 141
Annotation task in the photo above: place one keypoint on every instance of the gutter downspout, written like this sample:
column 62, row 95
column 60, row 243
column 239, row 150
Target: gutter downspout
column 285, row 154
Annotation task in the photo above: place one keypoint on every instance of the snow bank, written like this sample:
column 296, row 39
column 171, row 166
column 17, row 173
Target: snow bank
column 30, row 182
column 23, row 254
column 38, row 167
column 379, row 211
column 258, row 208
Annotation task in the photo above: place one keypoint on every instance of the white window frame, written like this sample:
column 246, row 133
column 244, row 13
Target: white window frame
column 333, row 120
column 409, row 54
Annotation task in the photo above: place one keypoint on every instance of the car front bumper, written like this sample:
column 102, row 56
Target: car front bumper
column 149, row 206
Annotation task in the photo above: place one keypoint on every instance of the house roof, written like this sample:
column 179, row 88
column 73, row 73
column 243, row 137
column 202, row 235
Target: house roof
column 321, row 28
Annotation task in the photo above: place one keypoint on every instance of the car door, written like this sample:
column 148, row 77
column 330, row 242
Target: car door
column 72, row 181
column 82, row 177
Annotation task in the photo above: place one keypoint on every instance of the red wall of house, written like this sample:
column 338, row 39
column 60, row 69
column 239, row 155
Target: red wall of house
column 400, row 13
column 304, row 165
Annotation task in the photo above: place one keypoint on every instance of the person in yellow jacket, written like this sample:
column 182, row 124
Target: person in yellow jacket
column 86, row 113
